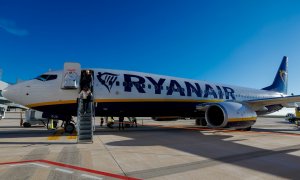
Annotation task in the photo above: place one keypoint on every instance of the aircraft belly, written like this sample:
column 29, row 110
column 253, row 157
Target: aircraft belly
column 141, row 109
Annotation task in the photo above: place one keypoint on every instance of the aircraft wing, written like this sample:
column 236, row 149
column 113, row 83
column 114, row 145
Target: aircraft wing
column 287, row 101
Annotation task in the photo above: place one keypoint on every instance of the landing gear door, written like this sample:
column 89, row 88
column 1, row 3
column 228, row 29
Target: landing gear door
column 71, row 76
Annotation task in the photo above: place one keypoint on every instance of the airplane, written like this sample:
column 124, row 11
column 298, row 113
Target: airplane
column 136, row 94
column 5, row 104
column 3, row 101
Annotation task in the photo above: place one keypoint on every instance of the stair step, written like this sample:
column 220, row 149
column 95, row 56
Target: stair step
column 85, row 123
column 85, row 137
column 88, row 131
column 85, row 126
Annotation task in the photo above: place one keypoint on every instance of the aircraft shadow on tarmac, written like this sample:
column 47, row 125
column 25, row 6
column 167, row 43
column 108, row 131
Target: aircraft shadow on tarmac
column 216, row 148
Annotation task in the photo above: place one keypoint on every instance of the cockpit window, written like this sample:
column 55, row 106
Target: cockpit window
column 46, row 77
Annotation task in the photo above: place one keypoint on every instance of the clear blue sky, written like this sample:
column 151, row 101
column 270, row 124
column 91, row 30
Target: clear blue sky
column 229, row 41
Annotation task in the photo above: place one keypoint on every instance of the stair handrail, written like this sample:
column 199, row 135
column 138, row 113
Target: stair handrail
column 79, row 109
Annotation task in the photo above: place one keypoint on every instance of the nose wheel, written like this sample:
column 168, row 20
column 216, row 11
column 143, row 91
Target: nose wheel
column 69, row 127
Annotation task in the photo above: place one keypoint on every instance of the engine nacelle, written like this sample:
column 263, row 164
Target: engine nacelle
column 230, row 114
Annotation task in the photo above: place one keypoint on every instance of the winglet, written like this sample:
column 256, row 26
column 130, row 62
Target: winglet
column 281, row 78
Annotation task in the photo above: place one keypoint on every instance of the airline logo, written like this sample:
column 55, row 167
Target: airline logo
column 283, row 75
column 170, row 87
column 107, row 79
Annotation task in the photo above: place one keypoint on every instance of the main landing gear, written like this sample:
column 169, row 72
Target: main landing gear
column 200, row 122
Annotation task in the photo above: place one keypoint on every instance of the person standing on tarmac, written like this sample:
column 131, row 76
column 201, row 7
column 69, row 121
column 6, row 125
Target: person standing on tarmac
column 121, row 123
column 101, row 121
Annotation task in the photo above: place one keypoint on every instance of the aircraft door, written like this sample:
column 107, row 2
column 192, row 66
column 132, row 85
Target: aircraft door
column 87, row 79
column 71, row 76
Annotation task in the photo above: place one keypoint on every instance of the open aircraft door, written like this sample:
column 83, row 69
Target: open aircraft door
column 71, row 76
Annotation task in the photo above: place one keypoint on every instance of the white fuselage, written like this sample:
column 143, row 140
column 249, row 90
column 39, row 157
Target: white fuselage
column 148, row 92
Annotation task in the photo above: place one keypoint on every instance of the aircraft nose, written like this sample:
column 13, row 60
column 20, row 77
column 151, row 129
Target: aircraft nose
column 8, row 93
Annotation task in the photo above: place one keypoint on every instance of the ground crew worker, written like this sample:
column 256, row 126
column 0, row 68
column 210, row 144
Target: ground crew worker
column 101, row 121
column 121, row 123
column 110, row 122
column 134, row 121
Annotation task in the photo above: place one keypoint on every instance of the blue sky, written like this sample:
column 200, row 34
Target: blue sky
column 233, row 42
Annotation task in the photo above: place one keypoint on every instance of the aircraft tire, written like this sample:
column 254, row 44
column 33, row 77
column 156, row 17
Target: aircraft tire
column 246, row 129
column 26, row 124
column 201, row 122
column 69, row 128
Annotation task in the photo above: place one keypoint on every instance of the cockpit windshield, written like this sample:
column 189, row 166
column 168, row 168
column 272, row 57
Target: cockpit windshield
column 46, row 77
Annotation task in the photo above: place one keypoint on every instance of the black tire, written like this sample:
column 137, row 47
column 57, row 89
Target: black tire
column 246, row 129
column 26, row 124
column 69, row 128
column 55, row 124
column 201, row 122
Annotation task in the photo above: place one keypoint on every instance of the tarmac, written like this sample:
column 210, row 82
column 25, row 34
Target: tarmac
column 153, row 150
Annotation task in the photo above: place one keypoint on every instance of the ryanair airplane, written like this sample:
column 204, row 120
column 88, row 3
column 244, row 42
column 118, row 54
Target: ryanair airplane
column 129, row 94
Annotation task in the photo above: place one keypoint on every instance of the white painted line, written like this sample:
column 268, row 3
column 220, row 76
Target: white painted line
column 37, row 164
column 91, row 177
column 64, row 170
column 23, row 164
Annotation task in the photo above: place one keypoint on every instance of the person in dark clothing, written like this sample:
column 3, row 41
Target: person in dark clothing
column 134, row 123
column 86, row 80
column 101, row 122
column 121, row 122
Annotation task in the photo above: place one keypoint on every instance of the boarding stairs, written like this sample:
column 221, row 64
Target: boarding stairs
column 85, row 122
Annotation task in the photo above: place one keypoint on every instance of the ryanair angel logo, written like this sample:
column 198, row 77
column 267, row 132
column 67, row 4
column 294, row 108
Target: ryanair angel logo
column 283, row 75
column 107, row 79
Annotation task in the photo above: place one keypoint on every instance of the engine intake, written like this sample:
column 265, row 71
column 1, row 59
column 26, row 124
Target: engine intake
column 230, row 114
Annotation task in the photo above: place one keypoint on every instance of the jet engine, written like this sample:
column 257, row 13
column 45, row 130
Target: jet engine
column 230, row 115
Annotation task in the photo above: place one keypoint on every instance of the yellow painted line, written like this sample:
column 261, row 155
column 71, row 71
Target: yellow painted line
column 56, row 135
column 123, row 100
column 73, row 135
column 242, row 119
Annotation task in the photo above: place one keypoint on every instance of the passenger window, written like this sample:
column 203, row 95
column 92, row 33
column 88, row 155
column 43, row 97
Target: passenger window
column 149, row 86
column 117, row 83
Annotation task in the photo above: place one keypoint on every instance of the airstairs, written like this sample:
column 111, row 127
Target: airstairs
column 85, row 122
